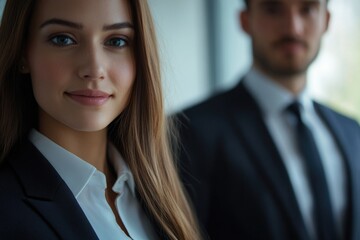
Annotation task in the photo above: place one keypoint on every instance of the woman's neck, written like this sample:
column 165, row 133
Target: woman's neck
column 89, row 146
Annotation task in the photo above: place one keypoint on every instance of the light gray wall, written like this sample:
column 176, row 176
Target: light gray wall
column 203, row 48
column 182, row 34
column 233, row 49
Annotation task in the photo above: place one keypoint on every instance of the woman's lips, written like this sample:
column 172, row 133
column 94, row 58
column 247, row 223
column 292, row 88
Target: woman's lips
column 89, row 97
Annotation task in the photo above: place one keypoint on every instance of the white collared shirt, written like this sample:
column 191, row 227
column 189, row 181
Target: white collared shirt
column 88, row 186
column 273, row 100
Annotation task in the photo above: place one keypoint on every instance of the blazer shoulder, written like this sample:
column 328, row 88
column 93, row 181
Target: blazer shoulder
column 215, row 104
column 340, row 118
column 35, row 202
column 9, row 182
column 13, row 208
column 212, row 111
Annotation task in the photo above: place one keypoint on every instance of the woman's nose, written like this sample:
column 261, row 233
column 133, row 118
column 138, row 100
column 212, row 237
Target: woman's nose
column 91, row 66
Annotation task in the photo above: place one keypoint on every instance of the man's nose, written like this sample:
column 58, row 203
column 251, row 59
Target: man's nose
column 293, row 23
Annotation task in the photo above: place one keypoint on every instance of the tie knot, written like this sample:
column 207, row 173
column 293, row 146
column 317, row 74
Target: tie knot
column 295, row 109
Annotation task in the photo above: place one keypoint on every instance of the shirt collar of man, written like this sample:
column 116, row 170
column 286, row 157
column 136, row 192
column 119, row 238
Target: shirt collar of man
column 272, row 97
column 76, row 172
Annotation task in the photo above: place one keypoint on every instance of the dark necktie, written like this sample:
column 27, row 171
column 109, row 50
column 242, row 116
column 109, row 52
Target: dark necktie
column 323, row 214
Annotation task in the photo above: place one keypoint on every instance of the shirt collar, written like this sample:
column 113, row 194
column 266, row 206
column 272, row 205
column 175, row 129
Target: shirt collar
column 122, row 170
column 272, row 97
column 76, row 172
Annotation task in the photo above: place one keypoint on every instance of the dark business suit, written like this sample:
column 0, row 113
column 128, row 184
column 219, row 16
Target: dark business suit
column 234, row 173
column 35, row 203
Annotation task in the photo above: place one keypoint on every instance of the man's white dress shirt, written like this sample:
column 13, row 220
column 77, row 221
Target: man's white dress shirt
column 273, row 100
column 88, row 186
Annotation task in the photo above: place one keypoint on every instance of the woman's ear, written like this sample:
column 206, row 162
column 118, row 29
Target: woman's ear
column 24, row 66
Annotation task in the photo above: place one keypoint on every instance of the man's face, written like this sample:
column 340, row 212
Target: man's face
column 286, row 34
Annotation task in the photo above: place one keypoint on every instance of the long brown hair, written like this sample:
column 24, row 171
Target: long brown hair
column 141, row 132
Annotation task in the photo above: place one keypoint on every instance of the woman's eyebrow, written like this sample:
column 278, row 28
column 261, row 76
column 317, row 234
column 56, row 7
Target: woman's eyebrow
column 57, row 21
column 62, row 22
column 118, row 26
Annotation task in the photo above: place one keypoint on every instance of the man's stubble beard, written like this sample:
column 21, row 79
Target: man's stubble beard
column 266, row 63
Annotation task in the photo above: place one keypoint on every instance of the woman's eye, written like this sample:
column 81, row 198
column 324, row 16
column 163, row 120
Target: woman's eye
column 116, row 42
column 62, row 40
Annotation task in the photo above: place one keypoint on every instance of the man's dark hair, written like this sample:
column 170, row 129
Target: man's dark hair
column 247, row 2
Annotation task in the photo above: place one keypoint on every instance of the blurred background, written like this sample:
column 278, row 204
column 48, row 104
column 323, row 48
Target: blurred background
column 203, row 51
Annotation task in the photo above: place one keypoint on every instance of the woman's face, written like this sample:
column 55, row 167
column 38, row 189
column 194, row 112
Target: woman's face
column 80, row 56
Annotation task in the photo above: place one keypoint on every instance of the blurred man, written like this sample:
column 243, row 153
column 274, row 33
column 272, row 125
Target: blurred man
column 263, row 160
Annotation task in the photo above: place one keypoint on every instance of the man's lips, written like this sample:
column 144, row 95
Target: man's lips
column 89, row 97
column 291, row 46
column 291, row 43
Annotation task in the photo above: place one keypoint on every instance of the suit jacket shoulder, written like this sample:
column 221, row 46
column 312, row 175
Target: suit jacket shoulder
column 205, row 123
column 342, row 119
column 35, row 202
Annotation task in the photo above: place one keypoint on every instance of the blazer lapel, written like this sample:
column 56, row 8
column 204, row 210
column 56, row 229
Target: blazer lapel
column 49, row 196
column 350, row 149
column 249, row 123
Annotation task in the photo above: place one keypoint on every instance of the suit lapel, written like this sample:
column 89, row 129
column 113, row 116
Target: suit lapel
column 250, row 125
column 350, row 149
column 49, row 196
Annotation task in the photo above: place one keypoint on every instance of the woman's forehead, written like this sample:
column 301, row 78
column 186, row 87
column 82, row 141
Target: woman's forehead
column 84, row 12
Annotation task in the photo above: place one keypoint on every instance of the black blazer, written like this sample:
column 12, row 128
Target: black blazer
column 35, row 203
column 236, row 177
